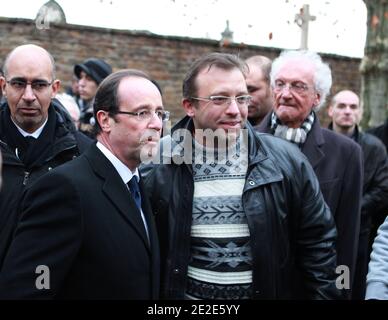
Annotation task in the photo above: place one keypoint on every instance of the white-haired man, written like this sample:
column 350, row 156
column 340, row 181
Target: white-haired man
column 300, row 83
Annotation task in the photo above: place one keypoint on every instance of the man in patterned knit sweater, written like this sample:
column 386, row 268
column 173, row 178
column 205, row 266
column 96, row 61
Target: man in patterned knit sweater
column 240, row 215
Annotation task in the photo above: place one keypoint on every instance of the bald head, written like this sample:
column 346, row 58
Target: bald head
column 258, row 84
column 29, row 84
column 345, row 94
column 345, row 111
column 33, row 51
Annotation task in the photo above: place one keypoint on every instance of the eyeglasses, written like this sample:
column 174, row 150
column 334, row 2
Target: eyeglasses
column 36, row 85
column 225, row 101
column 294, row 87
column 145, row 115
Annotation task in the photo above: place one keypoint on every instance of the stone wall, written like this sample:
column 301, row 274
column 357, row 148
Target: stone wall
column 165, row 58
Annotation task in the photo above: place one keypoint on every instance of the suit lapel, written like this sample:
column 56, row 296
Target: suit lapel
column 116, row 191
column 312, row 148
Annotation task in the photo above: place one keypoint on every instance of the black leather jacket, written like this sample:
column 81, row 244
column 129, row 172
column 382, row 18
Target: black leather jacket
column 292, row 229
column 68, row 144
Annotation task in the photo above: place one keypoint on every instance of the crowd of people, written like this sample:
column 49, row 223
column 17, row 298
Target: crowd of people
column 248, row 196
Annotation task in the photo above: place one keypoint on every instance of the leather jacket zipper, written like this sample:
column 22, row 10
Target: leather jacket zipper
column 26, row 176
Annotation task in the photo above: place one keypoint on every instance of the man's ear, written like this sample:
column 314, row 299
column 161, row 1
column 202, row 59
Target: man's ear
column 317, row 99
column 55, row 87
column 2, row 85
column 189, row 107
column 330, row 111
column 103, row 120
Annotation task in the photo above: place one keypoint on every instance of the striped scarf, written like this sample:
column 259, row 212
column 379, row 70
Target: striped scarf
column 294, row 135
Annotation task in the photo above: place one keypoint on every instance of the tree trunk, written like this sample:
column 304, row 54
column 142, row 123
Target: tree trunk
column 374, row 65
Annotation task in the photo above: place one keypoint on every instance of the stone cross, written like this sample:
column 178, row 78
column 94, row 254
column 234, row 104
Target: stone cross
column 227, row 36
column 302, row 20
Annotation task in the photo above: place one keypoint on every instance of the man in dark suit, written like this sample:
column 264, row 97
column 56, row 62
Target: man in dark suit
column 36, row 132
column 346, row 112
column 301, row 82
column 94, row 236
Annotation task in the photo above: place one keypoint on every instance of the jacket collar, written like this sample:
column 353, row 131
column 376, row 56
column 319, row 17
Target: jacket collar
column 173, row 149
column 115, row 189
column 64, row 133
column 181, row 139
column 354, row 136
column 313, row 147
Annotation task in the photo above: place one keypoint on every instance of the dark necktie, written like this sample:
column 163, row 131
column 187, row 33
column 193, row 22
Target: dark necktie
column 27, row 148
column 135, row 191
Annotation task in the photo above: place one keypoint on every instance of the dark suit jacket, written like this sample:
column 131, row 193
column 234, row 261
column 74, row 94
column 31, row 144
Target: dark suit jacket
column 337, row 162
column 81, row 222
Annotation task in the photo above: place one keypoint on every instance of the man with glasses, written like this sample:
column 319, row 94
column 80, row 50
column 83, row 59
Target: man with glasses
column 96, row 232
column 36, row 132
column 239, row 214
column 301, row 82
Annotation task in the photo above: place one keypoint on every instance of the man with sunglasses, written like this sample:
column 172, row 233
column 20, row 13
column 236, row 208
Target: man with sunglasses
column 239, row 214
column 36, row 132
column 300, row 82
column 89, row 221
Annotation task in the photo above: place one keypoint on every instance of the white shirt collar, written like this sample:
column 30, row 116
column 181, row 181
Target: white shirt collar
column 125, row 173
column 35, row 134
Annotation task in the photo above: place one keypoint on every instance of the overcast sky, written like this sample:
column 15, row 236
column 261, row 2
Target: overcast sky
column 340, row 25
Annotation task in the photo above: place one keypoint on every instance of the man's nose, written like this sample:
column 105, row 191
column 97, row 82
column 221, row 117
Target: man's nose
column 348, row 109
column 232, row 107
column 81, row 83
column 155, row 122
column 286, row 91
column 28, row 93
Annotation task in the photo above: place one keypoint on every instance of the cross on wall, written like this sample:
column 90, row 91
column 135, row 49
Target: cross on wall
column 302, row 19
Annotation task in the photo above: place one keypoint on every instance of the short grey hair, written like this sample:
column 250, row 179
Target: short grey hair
column 322, row 75
column 264, row 63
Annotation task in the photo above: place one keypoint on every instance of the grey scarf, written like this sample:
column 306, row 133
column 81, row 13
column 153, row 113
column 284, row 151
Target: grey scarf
column 295, row 135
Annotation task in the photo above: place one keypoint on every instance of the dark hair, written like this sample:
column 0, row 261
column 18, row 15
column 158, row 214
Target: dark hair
column 107, row 98
column 224, row 61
